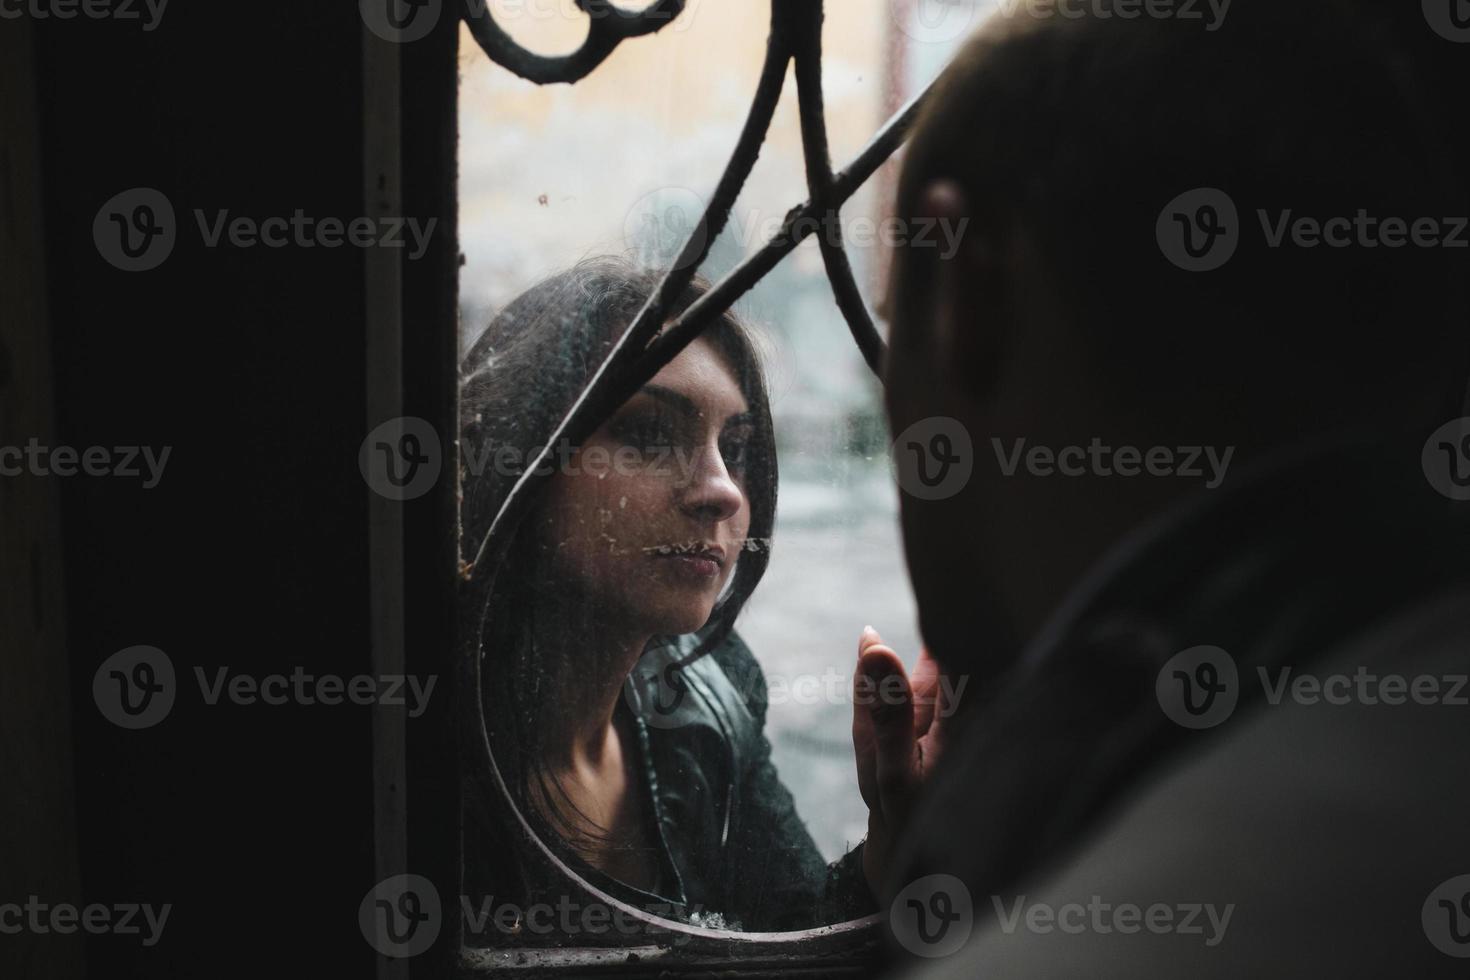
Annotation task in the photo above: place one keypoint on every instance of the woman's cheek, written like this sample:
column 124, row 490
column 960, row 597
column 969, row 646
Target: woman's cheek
column 636, row 497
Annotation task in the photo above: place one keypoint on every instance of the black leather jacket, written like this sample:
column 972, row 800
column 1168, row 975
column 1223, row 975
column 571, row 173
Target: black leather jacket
column 732, row 851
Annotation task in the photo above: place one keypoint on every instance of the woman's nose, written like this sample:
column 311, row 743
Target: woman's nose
column 708, row 490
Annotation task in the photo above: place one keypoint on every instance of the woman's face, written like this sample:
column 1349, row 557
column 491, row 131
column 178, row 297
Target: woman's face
column 646, row 519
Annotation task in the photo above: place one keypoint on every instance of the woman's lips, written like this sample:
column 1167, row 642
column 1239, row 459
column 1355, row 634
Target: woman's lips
column 702, row 561
column 695, row 566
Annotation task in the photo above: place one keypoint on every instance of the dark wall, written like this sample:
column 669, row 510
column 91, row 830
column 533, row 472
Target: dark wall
column 255, row 822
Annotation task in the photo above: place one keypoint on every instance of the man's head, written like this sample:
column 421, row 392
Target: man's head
column 1105, row 295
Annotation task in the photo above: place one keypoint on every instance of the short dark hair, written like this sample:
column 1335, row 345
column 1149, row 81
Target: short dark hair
column 1080, row 129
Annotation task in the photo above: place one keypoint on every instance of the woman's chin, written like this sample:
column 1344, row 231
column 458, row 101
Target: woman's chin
column 677, row 622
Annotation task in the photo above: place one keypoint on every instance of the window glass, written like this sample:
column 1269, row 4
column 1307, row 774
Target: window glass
column 616, row 170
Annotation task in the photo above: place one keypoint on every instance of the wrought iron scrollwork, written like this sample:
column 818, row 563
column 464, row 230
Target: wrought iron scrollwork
column 643, row 349
column 609, row 26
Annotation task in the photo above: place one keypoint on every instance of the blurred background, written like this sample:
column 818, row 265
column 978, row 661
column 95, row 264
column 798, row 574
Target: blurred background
column 622, row 162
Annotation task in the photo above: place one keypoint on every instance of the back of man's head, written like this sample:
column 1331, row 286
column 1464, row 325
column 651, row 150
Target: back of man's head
column 1118, row 144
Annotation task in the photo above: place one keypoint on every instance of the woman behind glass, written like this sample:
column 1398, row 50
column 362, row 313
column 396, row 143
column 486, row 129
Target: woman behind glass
column 625, row 713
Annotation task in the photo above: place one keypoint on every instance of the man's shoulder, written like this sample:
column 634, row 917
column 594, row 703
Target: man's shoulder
column 1304, row 838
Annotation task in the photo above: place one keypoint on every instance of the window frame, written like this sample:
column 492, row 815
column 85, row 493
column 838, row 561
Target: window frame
column 412, row 837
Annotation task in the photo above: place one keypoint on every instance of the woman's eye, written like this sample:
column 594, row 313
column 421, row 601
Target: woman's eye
column 734, row 450
column 646, row 433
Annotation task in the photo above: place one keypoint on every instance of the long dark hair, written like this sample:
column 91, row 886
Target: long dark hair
column 517, row 382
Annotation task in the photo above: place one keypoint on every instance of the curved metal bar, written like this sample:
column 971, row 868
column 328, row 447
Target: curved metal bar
column 819, row 182
column 800, row 222
column 621, row 374
column 609, row 26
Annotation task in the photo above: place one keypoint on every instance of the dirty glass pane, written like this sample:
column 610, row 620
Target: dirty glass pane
column 594, row 183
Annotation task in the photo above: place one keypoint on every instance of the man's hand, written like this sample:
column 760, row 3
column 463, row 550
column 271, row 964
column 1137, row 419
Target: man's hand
column 897, row 737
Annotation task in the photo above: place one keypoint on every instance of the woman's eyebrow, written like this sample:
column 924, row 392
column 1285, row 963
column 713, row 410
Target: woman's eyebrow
column 687, row 406
column 671, row 397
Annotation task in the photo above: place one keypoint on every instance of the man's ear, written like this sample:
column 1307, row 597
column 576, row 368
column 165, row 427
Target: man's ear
column 972, row 301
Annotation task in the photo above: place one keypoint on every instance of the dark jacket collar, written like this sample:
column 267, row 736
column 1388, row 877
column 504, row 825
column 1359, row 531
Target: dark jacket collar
column 1288, row 559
